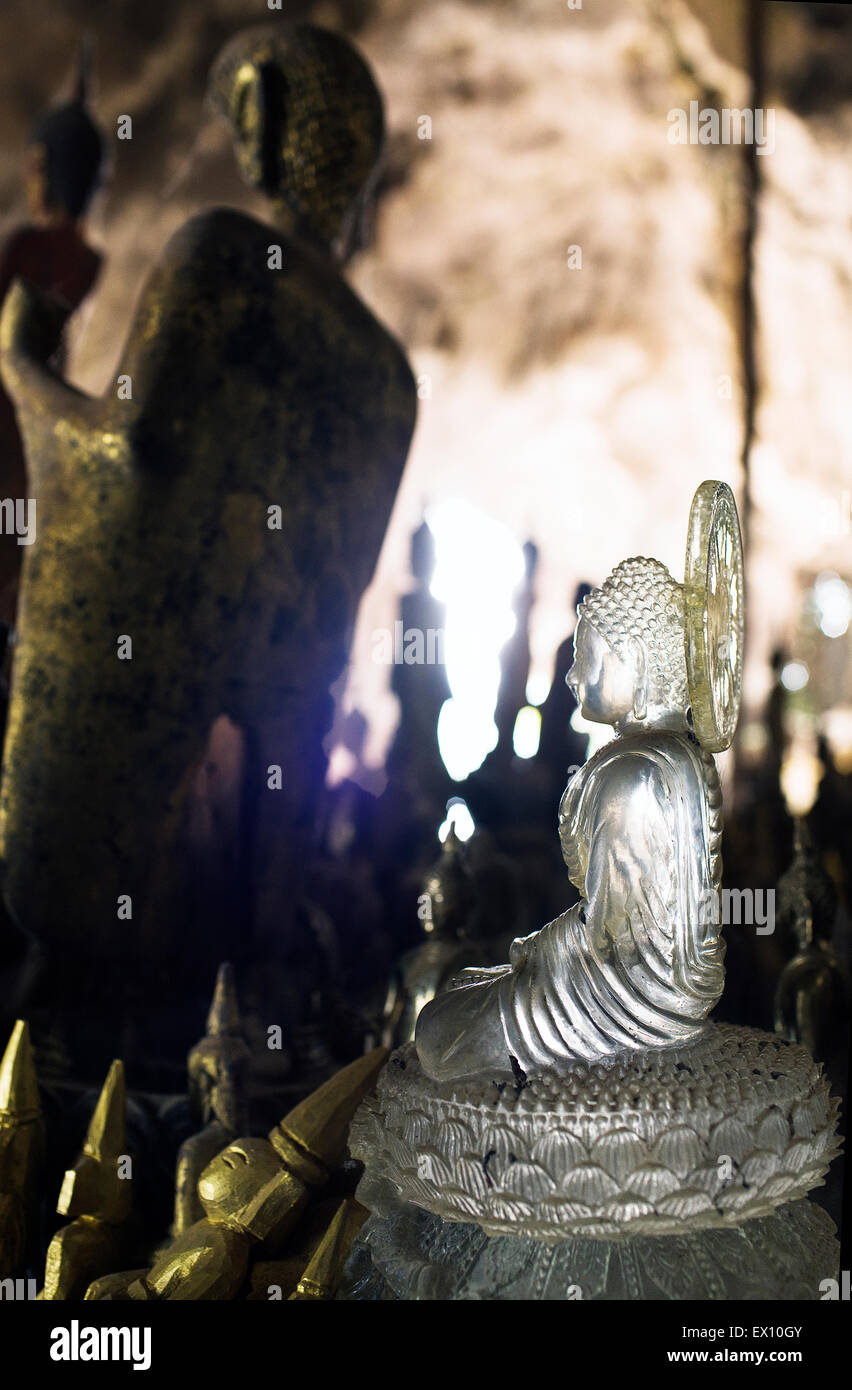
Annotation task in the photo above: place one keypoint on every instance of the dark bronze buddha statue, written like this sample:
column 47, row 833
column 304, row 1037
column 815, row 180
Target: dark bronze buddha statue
column 204, row 539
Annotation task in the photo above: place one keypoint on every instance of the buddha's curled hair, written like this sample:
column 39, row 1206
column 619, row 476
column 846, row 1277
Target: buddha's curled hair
column 641, row 599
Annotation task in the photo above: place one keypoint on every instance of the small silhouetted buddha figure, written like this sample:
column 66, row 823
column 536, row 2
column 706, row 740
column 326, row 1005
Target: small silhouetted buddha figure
column 776, row 710
column 831, row 816
column 515, row 660
column 805, row 889
column 812, row 996
column 419, row 678
column 447, row 912
column 205, row 535
column 64, row 163
column 768, row 822
column 218, row 1069
column 638, row 961
column 560, row 749
column 505, row 790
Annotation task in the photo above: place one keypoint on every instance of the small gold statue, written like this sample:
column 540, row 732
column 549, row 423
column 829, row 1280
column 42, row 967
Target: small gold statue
column 218, row 1076
column 253, row 1194
column 21, row 1153
column 96, row 1194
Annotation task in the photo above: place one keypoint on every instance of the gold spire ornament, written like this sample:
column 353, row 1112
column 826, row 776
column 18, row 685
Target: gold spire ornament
column 96, row 1195
column 322, row 1275
column 21, row 1152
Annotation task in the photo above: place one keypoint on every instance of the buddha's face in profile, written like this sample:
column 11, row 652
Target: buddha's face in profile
column 217, row 1068
column 604, row 684
column 629, row 663
column 232, row 1180
column 247, row 1186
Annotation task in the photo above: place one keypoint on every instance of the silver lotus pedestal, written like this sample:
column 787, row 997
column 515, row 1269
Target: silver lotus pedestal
column 675, row 1174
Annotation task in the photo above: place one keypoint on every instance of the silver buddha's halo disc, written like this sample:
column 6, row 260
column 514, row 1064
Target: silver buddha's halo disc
column 713, row 585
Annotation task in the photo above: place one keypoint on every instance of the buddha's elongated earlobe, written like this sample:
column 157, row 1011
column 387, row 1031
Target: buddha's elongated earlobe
column 640, row 689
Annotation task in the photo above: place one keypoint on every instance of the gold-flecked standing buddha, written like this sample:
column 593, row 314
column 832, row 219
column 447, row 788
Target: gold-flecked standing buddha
column 204, row 536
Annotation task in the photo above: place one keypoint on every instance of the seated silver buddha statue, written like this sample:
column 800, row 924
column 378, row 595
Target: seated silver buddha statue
column 644, row 1150
column 638, row 962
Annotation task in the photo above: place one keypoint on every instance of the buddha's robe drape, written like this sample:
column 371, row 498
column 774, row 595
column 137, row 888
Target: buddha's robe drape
column 639, row 962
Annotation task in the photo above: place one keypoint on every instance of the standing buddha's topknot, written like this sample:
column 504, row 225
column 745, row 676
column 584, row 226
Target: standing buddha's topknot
column 641, row 599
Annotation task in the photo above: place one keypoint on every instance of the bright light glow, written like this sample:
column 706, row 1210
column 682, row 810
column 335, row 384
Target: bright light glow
column 458, row 819
column 597, row 734
column 753, row 739
column 466, row 735
column 478, row 567
column 538, row 687
column 527, row 732
column 834, row 604
column 837, row 727
column 341, row 765
column 794, row 676
column 801, row 771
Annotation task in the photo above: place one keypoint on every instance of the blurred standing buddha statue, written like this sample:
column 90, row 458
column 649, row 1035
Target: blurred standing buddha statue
column 64, row 165
column 812, row 996
column 225, row 521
